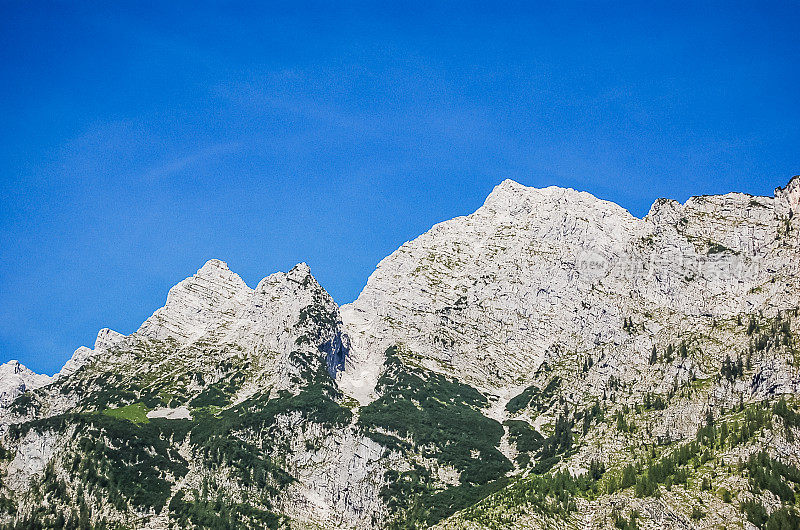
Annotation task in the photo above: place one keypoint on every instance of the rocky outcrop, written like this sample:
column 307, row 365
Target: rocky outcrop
column 16, row 379
column 34, row 451
column 208, row 301
column 787, row 199
column 106, row 340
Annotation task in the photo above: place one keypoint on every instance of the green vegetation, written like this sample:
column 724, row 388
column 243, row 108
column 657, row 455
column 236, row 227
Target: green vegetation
column 784, row 518
column 772, row 475
column 314, row 318
column 533, row 396
column 652, row 402
column 217, row 394
column 755, row 512
column 622, row 522
column 555, row 445
column 527, row 440
column 136, row 412
column 118, row 457
column 791, row 419
column 547, row 450
column 217, row 435
column 442, row 418
column 26, row 403
column 594, row 414
column 718, row 248
column 121, row 458
column 731, row 370
column 770, row 334
column 435, row 506
column 317, row 314
column 681, row 465
column 220, row 514
column 130, row 463
column 551, row 495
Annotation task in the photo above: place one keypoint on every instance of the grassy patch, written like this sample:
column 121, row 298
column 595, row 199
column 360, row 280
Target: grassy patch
column 136, row 412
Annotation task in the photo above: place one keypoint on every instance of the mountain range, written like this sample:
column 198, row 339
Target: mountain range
column 548, row 361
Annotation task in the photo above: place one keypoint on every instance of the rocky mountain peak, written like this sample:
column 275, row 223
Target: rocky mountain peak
column 212, row 267
column 509, row 186
column 664, row 211
column 106, row 339
column 13, row 367
column 536, row 271
column 16, row 378
column 299, row 278
column 208, row 299
column 787, row 199
column 211, row 273
column 214, row 312
column 512, row 198
column 299, row 272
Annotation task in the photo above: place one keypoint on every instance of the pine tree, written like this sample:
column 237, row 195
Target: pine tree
column 723, row 434
column 727, row 369
column 628, row 476
column 668, row 356
column 612, row 485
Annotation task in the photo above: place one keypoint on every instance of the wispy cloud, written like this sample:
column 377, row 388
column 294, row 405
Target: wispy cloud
column 174, row 166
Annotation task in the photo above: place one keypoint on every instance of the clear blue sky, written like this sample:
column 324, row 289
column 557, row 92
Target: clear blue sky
column 140, row 139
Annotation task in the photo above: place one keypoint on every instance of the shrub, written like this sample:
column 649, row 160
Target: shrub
column 697, row 513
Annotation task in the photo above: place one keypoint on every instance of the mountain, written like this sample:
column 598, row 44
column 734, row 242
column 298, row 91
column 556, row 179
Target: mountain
column 537, row 272
column 548, row 361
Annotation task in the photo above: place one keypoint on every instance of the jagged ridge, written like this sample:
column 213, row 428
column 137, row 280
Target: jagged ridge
column 506, row 362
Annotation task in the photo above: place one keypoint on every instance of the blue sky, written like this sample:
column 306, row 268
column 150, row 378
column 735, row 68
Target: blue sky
column 140, row 139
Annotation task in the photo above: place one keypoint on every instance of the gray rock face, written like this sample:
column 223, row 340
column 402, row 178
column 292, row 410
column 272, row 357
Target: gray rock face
column 216, row 306
column 106, row 339
column 536, row 272
column 16, row 379
column 247, row 342
column 208, row 301
column 484, row 296
column 787, row 199
column 34, row 453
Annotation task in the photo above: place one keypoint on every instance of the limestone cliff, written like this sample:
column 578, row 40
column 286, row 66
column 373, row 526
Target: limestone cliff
column 548, row 361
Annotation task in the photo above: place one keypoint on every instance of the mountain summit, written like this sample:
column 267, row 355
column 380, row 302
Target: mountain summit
column 548, row 361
